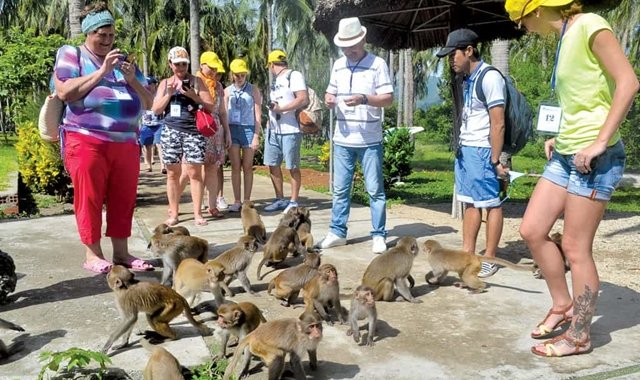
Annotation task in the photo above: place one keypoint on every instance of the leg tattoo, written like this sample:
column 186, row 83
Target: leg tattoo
column 583, row 309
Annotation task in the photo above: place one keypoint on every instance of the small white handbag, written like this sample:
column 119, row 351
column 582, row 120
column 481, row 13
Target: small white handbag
column 50, row 118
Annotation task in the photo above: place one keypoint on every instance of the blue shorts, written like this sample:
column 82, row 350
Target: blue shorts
column 475, row 177
column 157, row 137
column 606, row 173
column 241, row 135
column 282, row 146
column 148, row 133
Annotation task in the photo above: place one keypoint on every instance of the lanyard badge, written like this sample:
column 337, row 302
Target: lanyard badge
column 549, row 112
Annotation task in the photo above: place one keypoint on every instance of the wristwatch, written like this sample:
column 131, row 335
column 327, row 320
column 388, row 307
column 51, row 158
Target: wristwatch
column 495, row 164
column 365, row 100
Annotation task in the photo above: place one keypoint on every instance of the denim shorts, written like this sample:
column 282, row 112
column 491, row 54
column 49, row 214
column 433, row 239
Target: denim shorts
column 606, row 173
column 475, row 177
column 241, row 135
column 282, row 146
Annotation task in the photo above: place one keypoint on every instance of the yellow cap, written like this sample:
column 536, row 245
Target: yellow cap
column 277, row 56
column 209, row 58
column 220, row 66
column 520, row 8
column 238, row 66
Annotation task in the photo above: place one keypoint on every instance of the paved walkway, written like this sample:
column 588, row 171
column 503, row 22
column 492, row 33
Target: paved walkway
column 451, row 335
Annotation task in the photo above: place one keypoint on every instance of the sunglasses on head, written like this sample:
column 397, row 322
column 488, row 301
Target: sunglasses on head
column 522, row 14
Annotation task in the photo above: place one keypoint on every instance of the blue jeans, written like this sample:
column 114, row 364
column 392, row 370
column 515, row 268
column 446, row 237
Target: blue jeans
column 344, row 165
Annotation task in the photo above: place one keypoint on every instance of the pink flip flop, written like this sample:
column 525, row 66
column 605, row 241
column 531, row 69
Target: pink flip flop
column 98, row 266
column 136, row 264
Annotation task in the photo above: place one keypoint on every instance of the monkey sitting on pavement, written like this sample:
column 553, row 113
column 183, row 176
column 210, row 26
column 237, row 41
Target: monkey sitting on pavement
column 252, row 224
column 363, row 306
column 302, row 224
column 6, row 351
column 283, row 240
column 173, row 248
column 323, row 292
column 238, row 320
column 160, row 303
column 194, row 277
column 272, row 341
column 288, row 283
column 235, row 262
column 557, row 239
column 165, row 229
column 391, row 269
column 465, row 264
column 161, row 365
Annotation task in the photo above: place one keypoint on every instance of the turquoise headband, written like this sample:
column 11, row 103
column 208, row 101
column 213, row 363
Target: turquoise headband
column 96, row 20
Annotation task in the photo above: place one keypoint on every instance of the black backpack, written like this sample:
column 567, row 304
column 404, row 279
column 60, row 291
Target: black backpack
column 518, row 115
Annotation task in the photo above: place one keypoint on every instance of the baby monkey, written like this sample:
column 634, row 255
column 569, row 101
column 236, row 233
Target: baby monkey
column 363, row 306
column 237, row 320
column 465, row 264
column 557, row 239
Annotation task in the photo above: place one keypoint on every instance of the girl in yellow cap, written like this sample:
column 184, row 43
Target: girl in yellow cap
column 243, row 102
column 595, row 86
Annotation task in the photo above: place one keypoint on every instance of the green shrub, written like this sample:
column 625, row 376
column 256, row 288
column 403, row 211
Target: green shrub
column 397, row 154
column 39, row 162
column 74, row 358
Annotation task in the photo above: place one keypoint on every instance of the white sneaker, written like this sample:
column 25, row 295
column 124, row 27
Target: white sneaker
column 222, row 204
column 378, row 245
column 291, row 205
column 487, row 269
column 332, row 240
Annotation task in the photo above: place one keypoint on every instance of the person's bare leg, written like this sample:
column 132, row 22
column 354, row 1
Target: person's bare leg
column 194, row 171
column 174, row 190
column 494, row 230
column 234, row 157
column 296, row 181
column 470, row 227
column 247, row 171
column 184, row 178
column 275, row 172
column 211, row 183
column 545, row 206
column 220, row 182
column 159, row 150
column 147, row 151
column 93, row 253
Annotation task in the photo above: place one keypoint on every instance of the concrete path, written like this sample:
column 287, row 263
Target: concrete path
column 451, row 335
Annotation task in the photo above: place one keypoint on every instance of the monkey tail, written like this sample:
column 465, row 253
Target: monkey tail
column 204, row 330
column 262, row 262
column 508, row 264
column 236, row 356
column 272, row 284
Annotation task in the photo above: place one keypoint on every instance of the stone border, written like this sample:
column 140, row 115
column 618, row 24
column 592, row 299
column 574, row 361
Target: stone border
column 9, row 197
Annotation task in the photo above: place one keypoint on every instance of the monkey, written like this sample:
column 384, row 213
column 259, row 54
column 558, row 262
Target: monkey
column 557, row 239
column 252, row 223
column 163, row 228
column 363, row 305
column 237, row 320
column 161, row 365
column 193, row 277
column 309, row 317
column 303, row 227
column 323, row 291
column 173, row 248
column 467, row 265
column 160, row 303
column 283, row 240
column 235, row 262
column 272, row 340
column 6, row 351
column 390, row 270
column 288, row 283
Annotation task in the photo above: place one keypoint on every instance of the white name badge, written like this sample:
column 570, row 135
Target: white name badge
column 175, row 110
column 234, row 117
column 121, row 93
column 549, row 119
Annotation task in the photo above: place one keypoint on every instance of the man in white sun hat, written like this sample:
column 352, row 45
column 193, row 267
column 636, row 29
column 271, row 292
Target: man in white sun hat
column 358, row 90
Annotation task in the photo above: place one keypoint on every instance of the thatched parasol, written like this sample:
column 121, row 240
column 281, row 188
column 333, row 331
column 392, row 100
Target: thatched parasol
column 422, row 24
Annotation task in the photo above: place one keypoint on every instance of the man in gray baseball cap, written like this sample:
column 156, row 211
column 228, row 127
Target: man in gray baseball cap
column 458, row 39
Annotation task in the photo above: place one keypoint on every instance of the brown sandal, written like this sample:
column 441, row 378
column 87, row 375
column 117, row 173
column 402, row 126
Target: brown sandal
column 545, row 330
column 550, row 349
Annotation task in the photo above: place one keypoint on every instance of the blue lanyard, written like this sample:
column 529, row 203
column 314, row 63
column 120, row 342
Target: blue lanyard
column 555, row 65
column 238, row 94
column 353, row 69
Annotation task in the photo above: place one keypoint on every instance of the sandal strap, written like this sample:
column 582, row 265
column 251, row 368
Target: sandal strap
column 552, row 351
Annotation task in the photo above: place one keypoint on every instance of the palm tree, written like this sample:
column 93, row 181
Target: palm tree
column 75, row 8
column 194, row 33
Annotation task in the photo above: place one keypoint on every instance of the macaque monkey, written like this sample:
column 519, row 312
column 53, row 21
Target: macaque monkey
column 363, row 306
column 272, row 340
column 174, row 248
column 160, row 303
column 237, row 320
column 193, row 277
column 252, row 223
column 391, row 269
column 557, row 239
column 163, row 228
column 467, row 265
column 323, row 292
column 309, row 317
column 235, row 262
column 283, row 240
column 161, row 365
column 6, row 351
column 304, row 227
column 288, row 283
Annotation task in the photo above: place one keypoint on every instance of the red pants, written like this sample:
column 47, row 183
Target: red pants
column 102, row 173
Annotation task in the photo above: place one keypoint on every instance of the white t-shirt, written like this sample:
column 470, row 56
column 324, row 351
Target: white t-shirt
column 282, row 92
column 361, row 125
column 476, row 124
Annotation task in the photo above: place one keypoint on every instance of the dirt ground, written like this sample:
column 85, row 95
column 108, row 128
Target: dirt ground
column 615, row 244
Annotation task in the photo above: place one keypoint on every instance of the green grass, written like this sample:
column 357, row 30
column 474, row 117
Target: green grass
column 8, row 160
